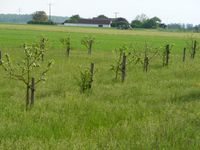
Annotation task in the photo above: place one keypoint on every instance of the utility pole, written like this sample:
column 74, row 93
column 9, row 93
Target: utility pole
column 19, row 11
column 50, row 11
column 116, row 13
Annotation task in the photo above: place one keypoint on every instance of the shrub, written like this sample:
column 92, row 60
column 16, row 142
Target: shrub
column 41, row 22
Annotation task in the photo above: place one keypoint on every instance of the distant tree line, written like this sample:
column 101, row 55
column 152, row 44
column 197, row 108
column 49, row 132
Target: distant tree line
column 141, row 21
column 24, row 18
column 183, row 27
column 14, row 18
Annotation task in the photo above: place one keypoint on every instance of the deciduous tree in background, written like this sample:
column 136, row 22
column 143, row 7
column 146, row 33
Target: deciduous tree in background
column 40, row 16
column 142, row 21
column 74, row 19
column 102, row 17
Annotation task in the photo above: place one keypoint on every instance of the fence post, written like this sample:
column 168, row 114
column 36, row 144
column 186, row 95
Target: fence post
column 32, row 91
column 123, row 67
column 184, row 53
column 91, row 75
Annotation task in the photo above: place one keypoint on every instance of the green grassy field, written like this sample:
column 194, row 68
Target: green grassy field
column 155, row 110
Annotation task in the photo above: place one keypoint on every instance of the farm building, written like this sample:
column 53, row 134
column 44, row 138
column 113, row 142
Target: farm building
column 95, row 22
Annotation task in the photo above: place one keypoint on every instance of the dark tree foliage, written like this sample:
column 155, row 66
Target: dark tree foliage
column 74, row 18
column 41, row 23
column 197, row 28
column 156, row 19
column 40, row 16
column 120, row 23
column 136, row 24
column 162, row 25
column 102, row 17
column 143, row 21
column 150, row 24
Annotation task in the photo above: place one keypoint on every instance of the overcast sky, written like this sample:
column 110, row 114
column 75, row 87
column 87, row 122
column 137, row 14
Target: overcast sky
column 170, row 11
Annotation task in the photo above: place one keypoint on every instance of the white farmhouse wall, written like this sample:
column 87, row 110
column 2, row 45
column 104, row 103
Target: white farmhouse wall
column 85, row 25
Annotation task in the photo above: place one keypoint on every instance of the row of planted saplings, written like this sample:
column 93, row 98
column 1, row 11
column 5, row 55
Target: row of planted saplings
column 119, row 67
column 126, row 56
column 87, row 41
column 31, row 71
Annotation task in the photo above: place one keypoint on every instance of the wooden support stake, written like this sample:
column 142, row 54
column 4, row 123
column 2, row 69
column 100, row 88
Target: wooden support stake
column 146, row 64
column 91, row 75
column 32, row 91
column 42, row 46
column 90, row 47
column 123, row 69
column 194, row 46
column 27, row 96
column 167, row 54
column 68, row 47
column 184, row 53
column 68, row 51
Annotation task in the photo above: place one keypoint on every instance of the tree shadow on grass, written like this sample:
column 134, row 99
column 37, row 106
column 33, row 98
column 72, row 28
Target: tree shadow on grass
column 187, row 97
column 49, row 93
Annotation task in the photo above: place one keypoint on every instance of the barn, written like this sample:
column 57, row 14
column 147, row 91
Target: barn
column 94, row 22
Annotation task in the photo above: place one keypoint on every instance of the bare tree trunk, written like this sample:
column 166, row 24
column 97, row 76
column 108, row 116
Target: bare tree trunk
column 68, row 52
column 90, row 48
column 32, row 91
column 167, row 54
column 146, row 64
column 123, row 69
column 27, row 96
column 194, row 46
column 91, row 75
column 184, row 53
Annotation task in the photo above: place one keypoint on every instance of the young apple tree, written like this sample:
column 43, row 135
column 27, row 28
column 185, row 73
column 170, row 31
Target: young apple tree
column 88, row 42
column 66, row 42
column 29, row 71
